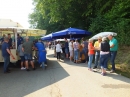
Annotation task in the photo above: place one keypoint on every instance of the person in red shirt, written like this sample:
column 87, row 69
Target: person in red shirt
column 90, row 53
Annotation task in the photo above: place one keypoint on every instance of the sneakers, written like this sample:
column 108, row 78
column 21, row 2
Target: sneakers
column 27, row 69
column 112, row 71
column 6, row 72
column 23, row 68
column 34, row 68
column 45, row 64
column 41, row 65
column 94, row 67
column 103, row 74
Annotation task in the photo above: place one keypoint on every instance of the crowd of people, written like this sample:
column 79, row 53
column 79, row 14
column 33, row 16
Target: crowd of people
column 25, row 49
column 101, row 51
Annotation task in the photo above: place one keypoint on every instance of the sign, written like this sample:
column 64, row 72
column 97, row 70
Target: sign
column 71, row 32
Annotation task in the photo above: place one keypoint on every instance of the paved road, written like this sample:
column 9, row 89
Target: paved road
column 62, row 79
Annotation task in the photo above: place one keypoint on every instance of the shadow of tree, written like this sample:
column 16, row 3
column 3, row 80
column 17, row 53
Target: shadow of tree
column 21, row 83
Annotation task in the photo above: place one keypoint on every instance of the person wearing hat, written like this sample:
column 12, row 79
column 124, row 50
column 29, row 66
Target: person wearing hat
column 97, row 53
column 113, row 51
column 104, row 55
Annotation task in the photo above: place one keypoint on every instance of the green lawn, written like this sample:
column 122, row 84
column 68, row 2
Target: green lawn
column 123, row 61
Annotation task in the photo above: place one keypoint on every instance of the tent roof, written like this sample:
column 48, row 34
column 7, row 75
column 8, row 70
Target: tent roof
column 9, row 23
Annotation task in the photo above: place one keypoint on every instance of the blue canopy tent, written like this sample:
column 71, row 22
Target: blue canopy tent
column 47, row 37
column 70, row 33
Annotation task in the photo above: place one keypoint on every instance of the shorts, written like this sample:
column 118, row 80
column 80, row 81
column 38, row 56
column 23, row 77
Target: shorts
column 71, row 53
column 22, row 58
column 66, row 50
column 28, row 57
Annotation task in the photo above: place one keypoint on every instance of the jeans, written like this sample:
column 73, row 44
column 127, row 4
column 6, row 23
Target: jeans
column 28, row 57
column 76, row 54
column 90, row 60
column 97, row 57
column 104, row 60
column 42, row 65
column 58, row 55
column 112, row 58
column 84, row 51
column 6, row 63
column 66, row 50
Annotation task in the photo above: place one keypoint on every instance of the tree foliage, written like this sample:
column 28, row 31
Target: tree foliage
column 93, row 15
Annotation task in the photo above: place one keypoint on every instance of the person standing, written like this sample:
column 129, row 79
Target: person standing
column 27, row 49
column 84, row 50
column 42, row 53
column 58, row 50
column 71, row 49
column 19, row 40
column 2, row 39
column 113, row 51
column 104, row 55
column 66, row 48
column 97, row 54
column 76, row 51
column 21, row 54
column 90, row 53
column 6, row 54
column 10, row 41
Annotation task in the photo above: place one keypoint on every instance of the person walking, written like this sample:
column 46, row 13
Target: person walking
column 58, row 50
column 90, row 53
column 113, row 51
column 97, row 53
column 6, row 53
column 27, row 49
column 104, row 55
column 76, row 51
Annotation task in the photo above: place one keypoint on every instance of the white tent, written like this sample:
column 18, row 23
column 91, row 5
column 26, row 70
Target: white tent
column 103, row 34
column 8, row 26
column 8, row 23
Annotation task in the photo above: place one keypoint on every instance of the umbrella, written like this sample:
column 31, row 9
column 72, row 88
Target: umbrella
column 103, row 34
column 70, row 32
column 47, row 37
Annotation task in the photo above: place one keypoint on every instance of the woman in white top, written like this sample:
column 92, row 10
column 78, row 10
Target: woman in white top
column 71, row 49
column 58, row 50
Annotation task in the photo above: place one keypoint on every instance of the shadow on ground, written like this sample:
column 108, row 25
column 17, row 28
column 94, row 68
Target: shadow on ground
column 21, row 83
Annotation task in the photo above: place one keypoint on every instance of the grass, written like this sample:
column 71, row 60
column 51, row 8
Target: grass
column 122, row 62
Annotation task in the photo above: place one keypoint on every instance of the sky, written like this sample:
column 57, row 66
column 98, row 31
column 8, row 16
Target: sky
column 16, row 10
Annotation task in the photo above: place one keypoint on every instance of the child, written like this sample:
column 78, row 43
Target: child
column 21, row 54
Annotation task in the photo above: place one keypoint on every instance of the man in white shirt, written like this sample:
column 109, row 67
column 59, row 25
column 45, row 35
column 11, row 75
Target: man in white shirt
column 58, row 50
column 71, row 49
